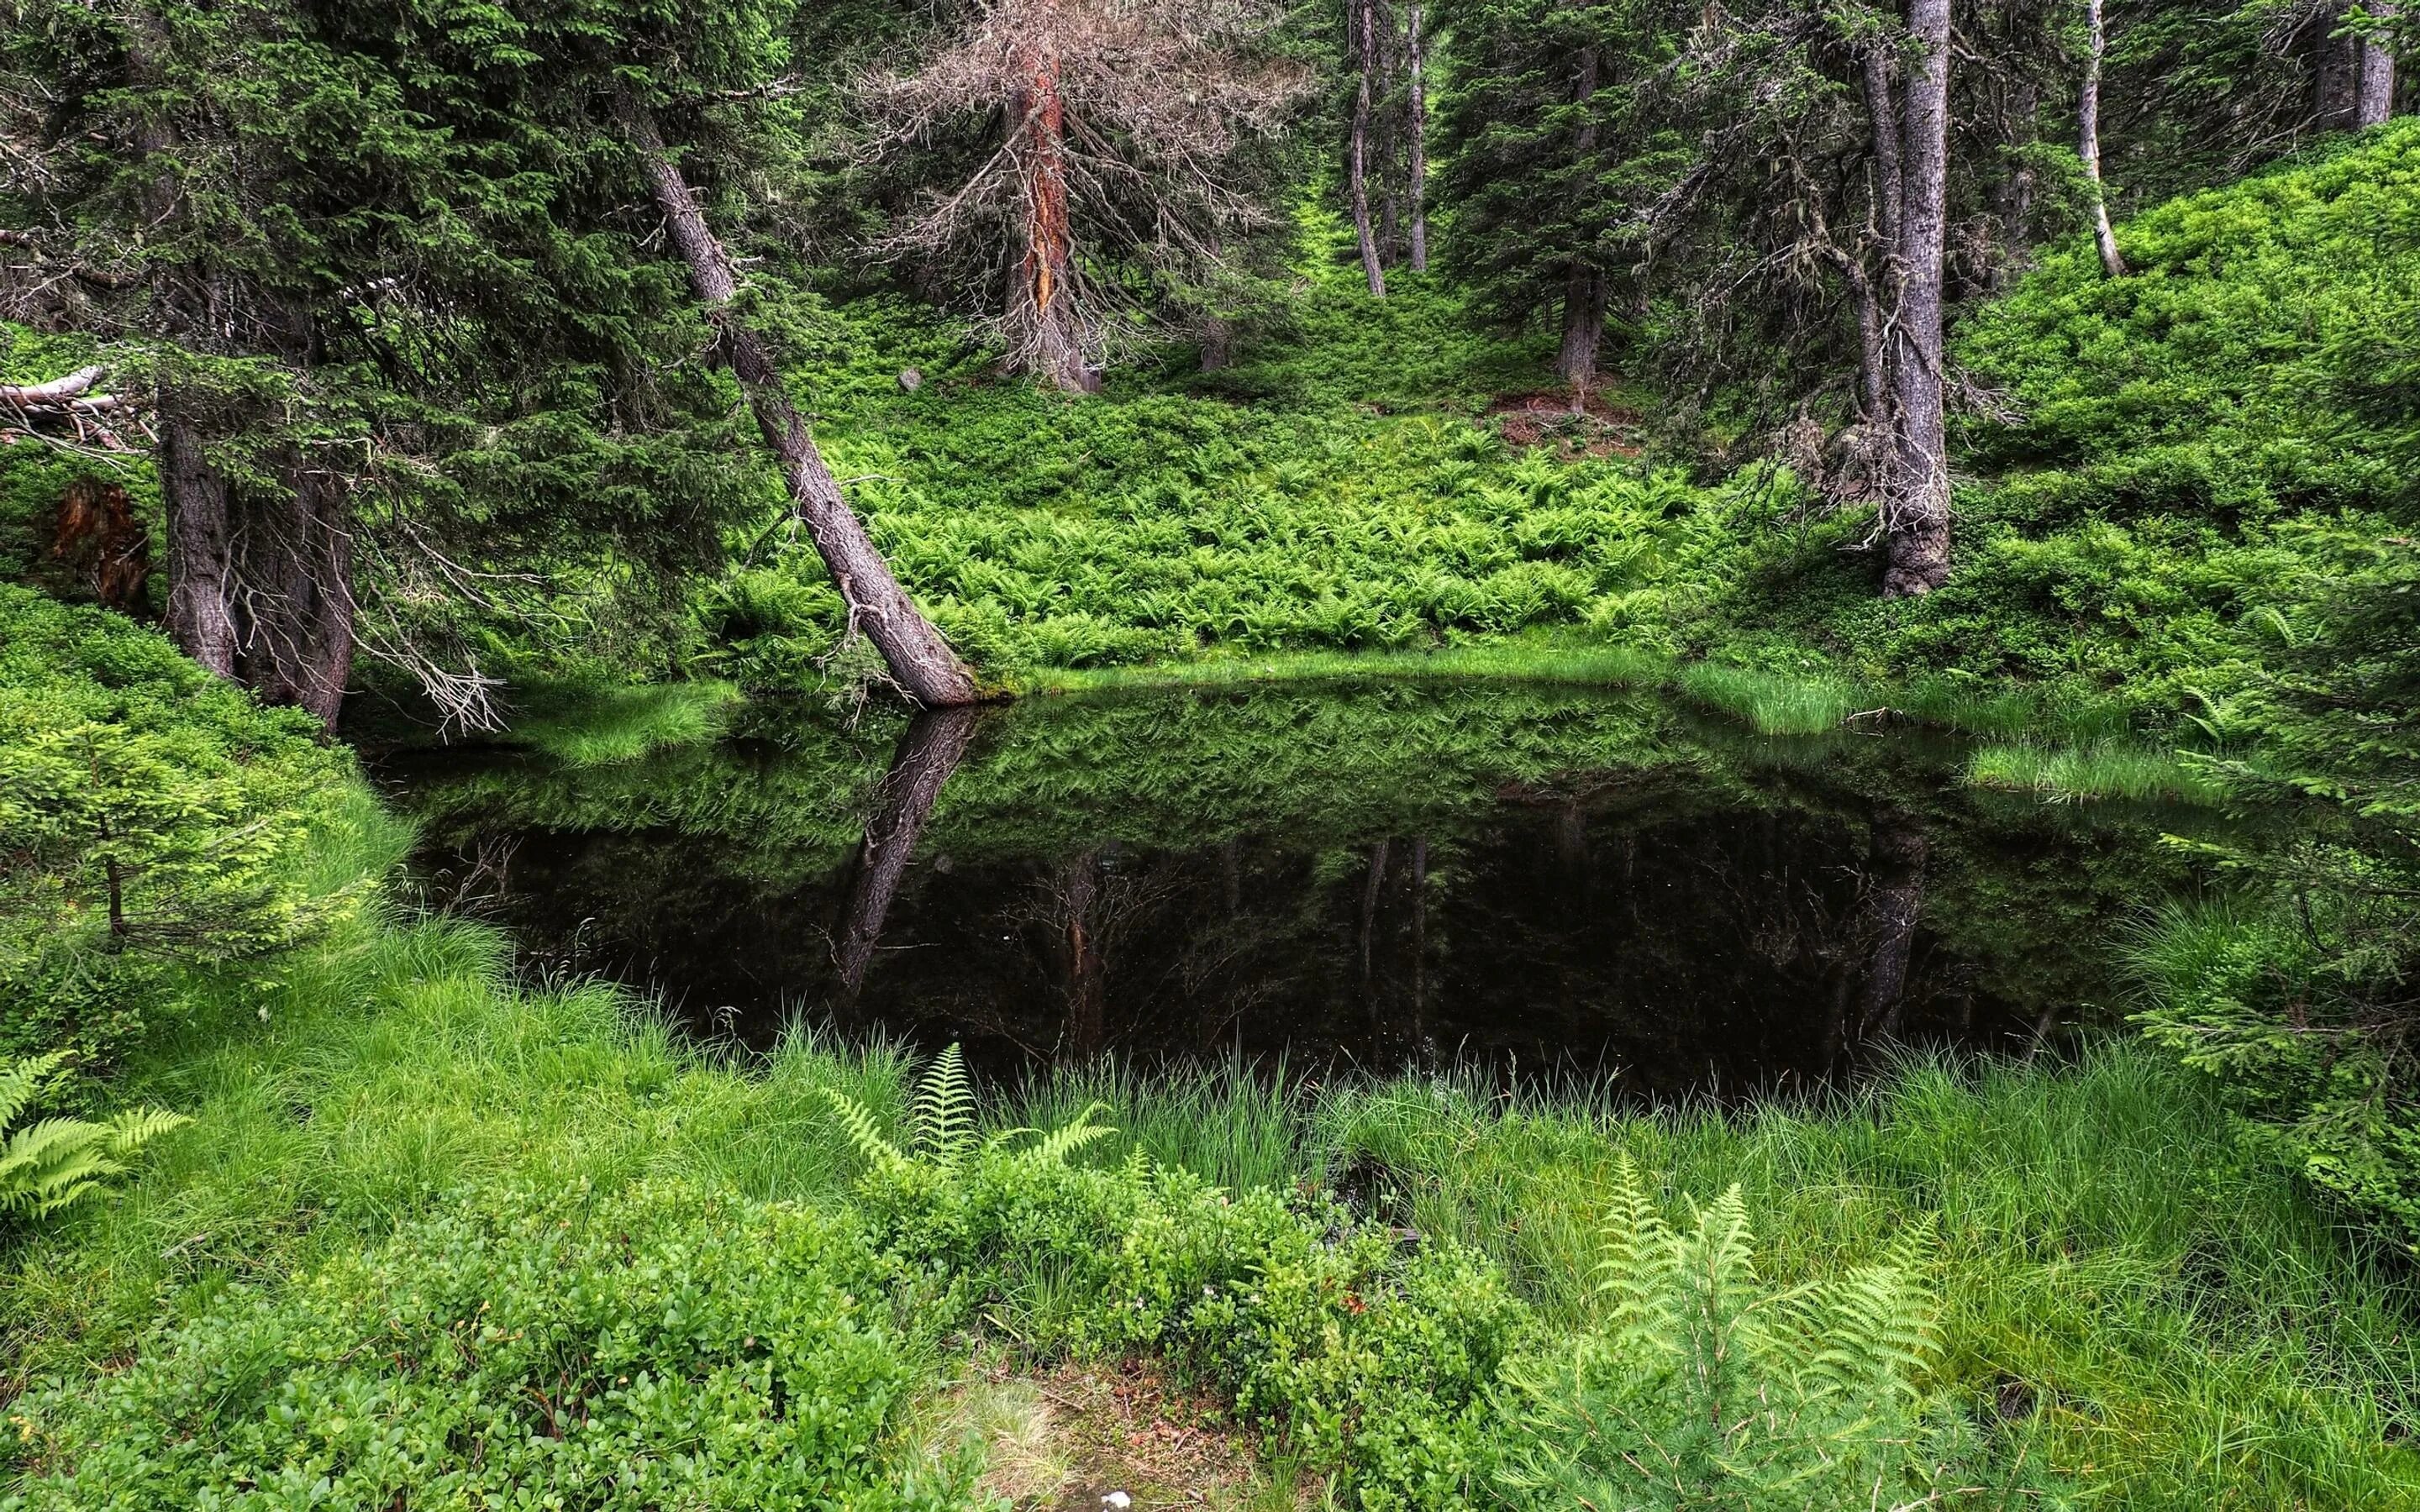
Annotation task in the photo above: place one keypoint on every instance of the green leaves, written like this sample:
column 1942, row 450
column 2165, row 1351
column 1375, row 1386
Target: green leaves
column 55, row 1164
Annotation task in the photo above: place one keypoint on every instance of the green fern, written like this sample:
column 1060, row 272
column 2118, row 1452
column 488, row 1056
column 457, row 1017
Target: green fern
column 54, row 1164
column 941, row 1118
column 1707, row 1387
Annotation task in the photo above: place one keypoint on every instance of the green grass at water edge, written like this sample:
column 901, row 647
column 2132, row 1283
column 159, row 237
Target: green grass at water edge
column 2106, row 769
column 589, row 725
column 1511, row 659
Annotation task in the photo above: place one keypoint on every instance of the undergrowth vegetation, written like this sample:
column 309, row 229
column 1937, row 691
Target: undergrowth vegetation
column 433, row 1229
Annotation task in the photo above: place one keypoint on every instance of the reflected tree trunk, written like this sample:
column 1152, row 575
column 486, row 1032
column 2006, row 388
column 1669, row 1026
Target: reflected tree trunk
column 1420, row 944
column 1894, row 897
column 929, row 750
column 1078, row 887
column 1369, row 931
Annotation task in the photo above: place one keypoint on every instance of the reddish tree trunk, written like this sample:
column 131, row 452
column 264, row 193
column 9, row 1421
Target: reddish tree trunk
column 920, row 659
column 1056, row 344
column 1357, row 173
column 1917, row 508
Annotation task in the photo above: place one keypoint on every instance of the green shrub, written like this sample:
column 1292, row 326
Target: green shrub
column 658, row 1348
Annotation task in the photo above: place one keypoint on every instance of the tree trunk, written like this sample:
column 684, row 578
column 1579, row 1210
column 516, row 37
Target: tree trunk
column 920, row 659
column 2335, row 91
column 294, row 619
column 201, row 559
column 1877, row 291
column 929, row 750
column 2087, row 115
column 1391, row 146
column 2374, row 94
column 1356, row 174
column 1584, row 291
column 1583, row 329
column 1044, row 295
column 1418, row 109
column 1917, row 510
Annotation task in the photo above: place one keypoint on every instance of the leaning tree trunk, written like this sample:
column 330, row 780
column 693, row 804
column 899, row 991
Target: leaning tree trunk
column 2087, row 115
column 920, row 659
column 2374, row 92
column 1418, row 111
column 1045, row 298
column 1916, row 507
column 1356, row 171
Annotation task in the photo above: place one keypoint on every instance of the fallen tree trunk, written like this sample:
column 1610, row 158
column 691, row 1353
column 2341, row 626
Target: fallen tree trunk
column 920, row 659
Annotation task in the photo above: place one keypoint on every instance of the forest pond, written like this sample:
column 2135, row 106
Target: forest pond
column 1537, row 879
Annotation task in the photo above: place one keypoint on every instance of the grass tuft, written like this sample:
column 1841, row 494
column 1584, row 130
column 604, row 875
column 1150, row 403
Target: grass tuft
column 2105, row 769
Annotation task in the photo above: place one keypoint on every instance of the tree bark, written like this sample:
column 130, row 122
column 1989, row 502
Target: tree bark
column 1417, row 109
column 1357, row 173
column 927, row 670
column 294, row 616
column 1916, row 509
column 929, row 750
column 1044, row 293
column 2374, row 92
column 2087, row 115
column 2336, row 83
column 201, row 560
column 1583, row 330
column 1584, row 291
column 1078, row 887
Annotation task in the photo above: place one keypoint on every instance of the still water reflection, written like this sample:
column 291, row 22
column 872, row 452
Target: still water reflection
column 1543, row 878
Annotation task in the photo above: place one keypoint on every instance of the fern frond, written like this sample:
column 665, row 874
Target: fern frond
column 1054, row 1147
column 47, row 1166
column 945, row 1110
column 136, row 1127
column 1877, row 1330
column 20, row 1079
column 858, row 1124
column 1636, row 1272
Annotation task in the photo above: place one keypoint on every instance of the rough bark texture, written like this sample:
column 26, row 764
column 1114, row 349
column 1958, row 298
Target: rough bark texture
column 2087, row 115
column 921, row 662
column 295, row 618
column 2337, row 80
column 1355, row 168
column 1047, row 305
column 2374, row 92
column 929, row 750
column 1583, row 329
column 1917, row 506
column 201, row 566
column 1417, row 109
column 1584, row 291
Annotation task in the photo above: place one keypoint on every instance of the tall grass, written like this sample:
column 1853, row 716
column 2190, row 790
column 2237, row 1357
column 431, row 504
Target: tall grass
column 1776, row 703
column 2105, row 769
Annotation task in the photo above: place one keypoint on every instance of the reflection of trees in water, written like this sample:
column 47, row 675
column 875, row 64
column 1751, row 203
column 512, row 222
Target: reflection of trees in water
column 1699, row 931
column 929, row 750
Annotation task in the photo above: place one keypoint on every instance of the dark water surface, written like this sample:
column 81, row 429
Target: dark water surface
column 1542, row 878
